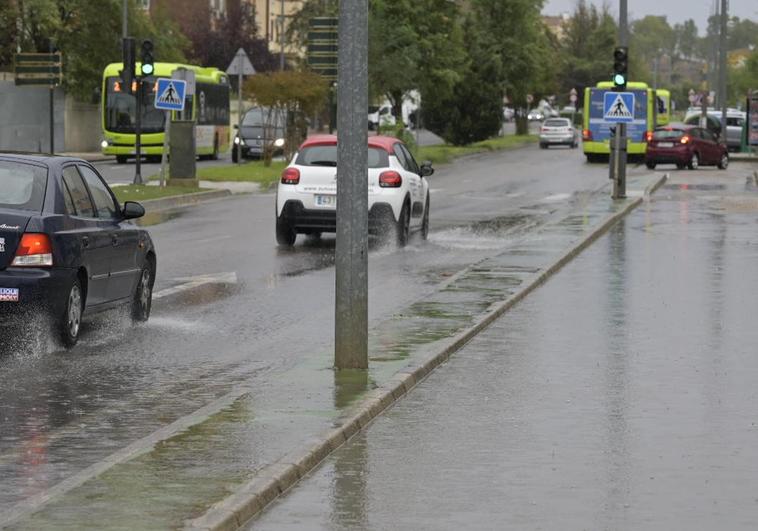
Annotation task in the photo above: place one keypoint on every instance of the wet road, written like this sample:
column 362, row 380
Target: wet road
column 620, row 395
column 63, row 411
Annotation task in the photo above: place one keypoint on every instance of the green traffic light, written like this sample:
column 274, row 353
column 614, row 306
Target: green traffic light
column 619, row 80
column 147, row 69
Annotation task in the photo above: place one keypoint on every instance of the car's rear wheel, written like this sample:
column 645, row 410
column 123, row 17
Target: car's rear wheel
column 425, row 220
column 285, row 234
column 71, row 320
column 121, row 159
column 724, row 162
column 143, row 295
column 694, row 162
column 650, row 164
column 403, row 227
column 543, row 145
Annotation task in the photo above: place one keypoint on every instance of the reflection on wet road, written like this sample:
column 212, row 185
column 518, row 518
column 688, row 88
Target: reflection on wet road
column 620, row 395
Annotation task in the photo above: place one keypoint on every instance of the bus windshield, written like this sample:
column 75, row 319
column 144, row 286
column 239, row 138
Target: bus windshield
column 120, row 108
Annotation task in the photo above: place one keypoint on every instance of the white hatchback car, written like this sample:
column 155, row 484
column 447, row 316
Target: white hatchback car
column 398, row 192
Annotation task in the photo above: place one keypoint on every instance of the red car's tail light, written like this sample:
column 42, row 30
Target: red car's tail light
column 390, row 179
column 685, row 139
column 290, row 176
column 649, row 136
column 34, row 250
column 587, row 135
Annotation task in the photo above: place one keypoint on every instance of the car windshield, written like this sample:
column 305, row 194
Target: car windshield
column 327, row 156
column 22, row 186
column 556, row 123
column 663, row 134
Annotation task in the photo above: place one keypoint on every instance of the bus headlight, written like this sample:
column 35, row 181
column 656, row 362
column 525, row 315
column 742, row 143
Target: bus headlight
column 279, row 142
column 104, row 144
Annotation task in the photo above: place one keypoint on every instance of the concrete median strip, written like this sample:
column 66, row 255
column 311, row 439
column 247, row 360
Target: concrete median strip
column 253, row 496
column 178, row 201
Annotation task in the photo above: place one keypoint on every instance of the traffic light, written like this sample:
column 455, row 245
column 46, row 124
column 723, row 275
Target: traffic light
column 147, row 67
column 620, row 67
column 129, row 58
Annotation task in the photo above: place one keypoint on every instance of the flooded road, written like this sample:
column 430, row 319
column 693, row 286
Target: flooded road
column 620, row 395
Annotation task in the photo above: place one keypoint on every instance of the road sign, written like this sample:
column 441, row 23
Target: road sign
column 170, row 94
column 618, row 107
column 38, row 68
column 241, row 65
column 322, row 46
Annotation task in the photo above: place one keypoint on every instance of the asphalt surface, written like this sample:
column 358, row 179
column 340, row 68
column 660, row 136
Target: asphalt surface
column 620, row 395
column 61, row 412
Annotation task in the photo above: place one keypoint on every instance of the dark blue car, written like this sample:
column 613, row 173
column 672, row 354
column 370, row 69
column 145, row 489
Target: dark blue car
column 67, row 248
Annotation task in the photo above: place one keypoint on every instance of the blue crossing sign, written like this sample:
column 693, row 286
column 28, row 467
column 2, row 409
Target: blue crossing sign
column 169, row 96
column 618, row 107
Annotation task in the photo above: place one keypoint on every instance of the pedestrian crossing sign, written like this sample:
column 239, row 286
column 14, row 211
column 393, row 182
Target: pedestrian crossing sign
column 618, row 107
column 169, row 95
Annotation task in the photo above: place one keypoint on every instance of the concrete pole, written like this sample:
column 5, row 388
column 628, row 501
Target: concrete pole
column 722, row 68
column 239, row 110
column 623, row 24
column 351, row 255
column 125, row 22
column 281, row 39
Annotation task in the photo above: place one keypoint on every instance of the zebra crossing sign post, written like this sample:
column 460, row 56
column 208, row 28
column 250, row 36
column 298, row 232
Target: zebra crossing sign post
column 618, row 107
column 170, row 93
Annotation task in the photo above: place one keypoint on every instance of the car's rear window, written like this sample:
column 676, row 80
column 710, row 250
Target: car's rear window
column 22, row 186
column 663, row 134
column 327, row 156
column 556, row 123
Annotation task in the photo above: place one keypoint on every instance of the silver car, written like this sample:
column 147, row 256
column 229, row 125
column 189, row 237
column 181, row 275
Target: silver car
column 556, row 132
column 735, row 120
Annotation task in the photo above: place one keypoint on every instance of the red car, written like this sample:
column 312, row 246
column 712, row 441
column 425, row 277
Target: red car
column 685, row 145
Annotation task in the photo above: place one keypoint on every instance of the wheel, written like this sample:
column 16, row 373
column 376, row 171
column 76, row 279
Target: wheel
column 574, row 145
column 679, row 166
column 543, row 146
column 121, row 159
column 285, row 234
column 143, row 295
column 403, row 227
column 235, row 154
column 425, row 220
column 650, row 165
column 71, row 319
column 724, row 162
column 694, row 162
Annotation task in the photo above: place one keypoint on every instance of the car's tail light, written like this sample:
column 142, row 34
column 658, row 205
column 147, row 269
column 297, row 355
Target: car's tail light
column 648, row 136
column 685, row 139
column 587, row 135
column 35, row 250
column 390, row 179
column 290, row 176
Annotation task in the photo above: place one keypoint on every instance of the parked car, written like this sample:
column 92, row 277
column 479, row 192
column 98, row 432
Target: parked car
column 398, row 191
column 556, row 132
column 509, row 114
column 735, row 121
column 379, row 116
column 67, row 248
column 685, row 145
column 259, row 127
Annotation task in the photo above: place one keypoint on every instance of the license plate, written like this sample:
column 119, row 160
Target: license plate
column 666, row 144
column 326, row 200
column 8, row 294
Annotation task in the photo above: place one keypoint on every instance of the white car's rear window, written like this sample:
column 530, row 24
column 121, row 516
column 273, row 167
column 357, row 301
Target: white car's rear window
column 327, row 156
column 557, row 123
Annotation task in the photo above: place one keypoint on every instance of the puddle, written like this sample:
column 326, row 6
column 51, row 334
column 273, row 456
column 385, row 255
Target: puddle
column 695, row 187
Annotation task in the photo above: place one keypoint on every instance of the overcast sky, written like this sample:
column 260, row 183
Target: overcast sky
column 675, row 10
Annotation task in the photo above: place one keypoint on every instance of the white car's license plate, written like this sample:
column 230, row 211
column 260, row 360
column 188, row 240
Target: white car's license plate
column 8, row 294
column 666, row 144
column 326, row 200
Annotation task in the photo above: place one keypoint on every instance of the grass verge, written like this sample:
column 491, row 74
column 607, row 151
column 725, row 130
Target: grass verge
column 445, row 153
column 254, row 171
column 138, row 192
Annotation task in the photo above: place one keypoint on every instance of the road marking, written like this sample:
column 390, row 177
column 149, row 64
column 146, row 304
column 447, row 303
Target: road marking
column 190, row 283
column 146, row 444
column 556, row 197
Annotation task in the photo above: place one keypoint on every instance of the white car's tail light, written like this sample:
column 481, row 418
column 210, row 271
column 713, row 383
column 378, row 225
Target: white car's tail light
column 390, row 179
column 290, row 176
column 34, row 250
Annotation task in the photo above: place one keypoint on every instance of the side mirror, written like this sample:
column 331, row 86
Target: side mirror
column 132, row 210
column 236, row 126
column 426, row 168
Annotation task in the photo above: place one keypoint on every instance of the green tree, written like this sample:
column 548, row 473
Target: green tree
column 686, row 38
column 741, row 33
column 89, row 36
column 651, row 37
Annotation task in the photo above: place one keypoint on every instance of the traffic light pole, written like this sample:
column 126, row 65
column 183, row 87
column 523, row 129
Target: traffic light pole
column 138, row 134
column 618, row 151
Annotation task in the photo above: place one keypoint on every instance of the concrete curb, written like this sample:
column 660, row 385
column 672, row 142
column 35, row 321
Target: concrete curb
column 177, row 201
column 238, row 509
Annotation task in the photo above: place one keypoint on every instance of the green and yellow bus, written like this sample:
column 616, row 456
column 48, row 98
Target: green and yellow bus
column 209, row 107
column 651, row 109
